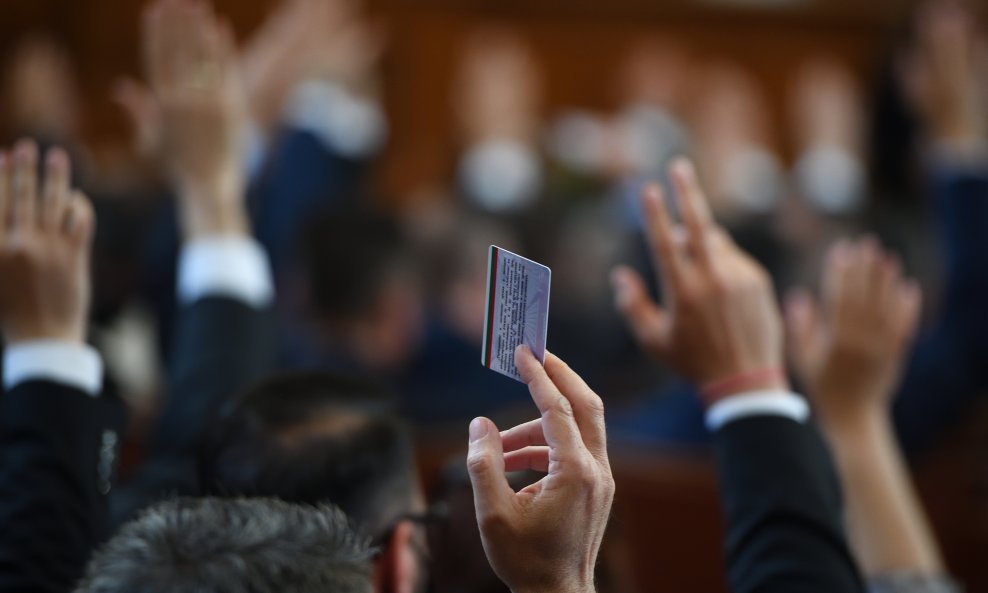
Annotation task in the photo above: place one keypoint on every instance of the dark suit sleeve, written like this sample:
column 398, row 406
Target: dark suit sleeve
column 56, row 455
column 783, row 509
column 946, row 370
column 221, row 347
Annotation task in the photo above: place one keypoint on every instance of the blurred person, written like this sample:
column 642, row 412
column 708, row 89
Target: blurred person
column 41, row 92
column 850, row 351
column 946, row 72
column 734, row 144
column 366, row 298
column 497, row 101
column 252, row 544
column 314, row 125
column 58, row 434
column 720, row 327
column 452, row 245
column 223, row 336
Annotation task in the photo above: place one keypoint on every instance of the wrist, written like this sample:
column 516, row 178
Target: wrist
column 771, row 378
column 213, row 209
column 70, row 333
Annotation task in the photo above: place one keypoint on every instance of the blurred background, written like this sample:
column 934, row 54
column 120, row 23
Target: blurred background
column 394, row 140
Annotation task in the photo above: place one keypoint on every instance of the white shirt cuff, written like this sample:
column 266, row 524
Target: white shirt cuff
column 757, row 403
column 72, row 364
column 352, row 126
column 226, row 266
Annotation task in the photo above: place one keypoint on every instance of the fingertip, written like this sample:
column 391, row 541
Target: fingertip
column 480, row 427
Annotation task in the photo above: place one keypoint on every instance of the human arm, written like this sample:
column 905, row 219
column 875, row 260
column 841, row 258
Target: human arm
column 850, row 351
column 58, row 435
column 223, row 337
column 544, row 538
column 720, row 327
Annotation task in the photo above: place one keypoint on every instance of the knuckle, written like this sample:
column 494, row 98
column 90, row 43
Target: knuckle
column 562, row 407
column 479, row 463
column 595, row 404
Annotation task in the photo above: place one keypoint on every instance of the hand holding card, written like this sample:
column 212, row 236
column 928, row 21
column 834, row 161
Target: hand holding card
column 517, row 310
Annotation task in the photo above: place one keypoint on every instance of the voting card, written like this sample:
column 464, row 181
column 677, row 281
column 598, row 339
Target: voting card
column 517, row 310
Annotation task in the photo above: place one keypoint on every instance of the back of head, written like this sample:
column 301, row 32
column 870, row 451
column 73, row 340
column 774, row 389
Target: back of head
column 315, row 437
column 230, row 546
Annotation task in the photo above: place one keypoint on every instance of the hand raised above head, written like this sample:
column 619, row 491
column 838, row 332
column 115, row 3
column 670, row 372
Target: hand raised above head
column 193, row 74
column 46, row 229
column 849, row 351
column 545, row 537
column 720, row 320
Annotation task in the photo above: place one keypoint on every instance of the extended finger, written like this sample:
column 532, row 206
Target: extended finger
column 661, row 236
column 25, row 186
column 558, row 424
column 56, row 193
column 693, row 208
column 524, row 435
column 588, row 408
column 530, row 458
column 485, row 463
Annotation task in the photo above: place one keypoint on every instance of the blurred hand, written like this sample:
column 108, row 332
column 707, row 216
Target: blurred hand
column 45, row 233
column 191, row 64
column 309, row 39
column 720, row 319
column 545, row 537
column 946, row 74
column 850, row 354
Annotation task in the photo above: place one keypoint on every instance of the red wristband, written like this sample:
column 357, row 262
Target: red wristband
column 740, row 382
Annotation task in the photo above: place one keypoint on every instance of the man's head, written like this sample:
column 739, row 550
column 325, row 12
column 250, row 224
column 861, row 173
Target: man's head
column 318, row 437
column 314, row 437
column 228, row 545
column 365, row 289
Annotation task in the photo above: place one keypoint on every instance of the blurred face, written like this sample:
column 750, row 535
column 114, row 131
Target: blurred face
column 397, row 321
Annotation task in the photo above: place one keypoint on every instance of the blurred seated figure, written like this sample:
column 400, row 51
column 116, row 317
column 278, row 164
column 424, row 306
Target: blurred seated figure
column 445, row 384
column 365, row 298
column 41, row 92
column 497, row 100
column 250, row 544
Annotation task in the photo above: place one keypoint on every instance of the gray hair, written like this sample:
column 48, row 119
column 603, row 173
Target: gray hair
column 247, row 545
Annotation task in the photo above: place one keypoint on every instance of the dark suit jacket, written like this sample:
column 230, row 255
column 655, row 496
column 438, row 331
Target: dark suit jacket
column 57, row 449
column 222, row 346
column 947, row 370
column 783, row 508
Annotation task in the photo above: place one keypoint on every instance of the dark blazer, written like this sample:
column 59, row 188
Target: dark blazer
column 783, row 509
column 57, row 451
column 221, row 347
column 947, row 369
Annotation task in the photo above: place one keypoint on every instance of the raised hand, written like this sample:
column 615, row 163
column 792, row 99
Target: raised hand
column 192, row 70
column 946, row 74
column 46, row 229
column 545, row 537
column 720, row 321
column 849, row 352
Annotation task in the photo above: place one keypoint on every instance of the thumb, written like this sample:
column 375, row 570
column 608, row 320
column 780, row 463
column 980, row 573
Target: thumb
column 644, row 317
column 485, row 463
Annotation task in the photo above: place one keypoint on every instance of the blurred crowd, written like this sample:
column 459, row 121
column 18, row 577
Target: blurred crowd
column 269, row 326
